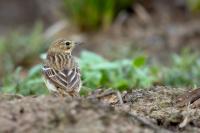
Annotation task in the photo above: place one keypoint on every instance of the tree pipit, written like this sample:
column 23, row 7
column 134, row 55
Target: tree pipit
column 60, row 71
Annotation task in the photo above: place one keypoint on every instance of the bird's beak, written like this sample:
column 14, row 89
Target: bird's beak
column 78, row 43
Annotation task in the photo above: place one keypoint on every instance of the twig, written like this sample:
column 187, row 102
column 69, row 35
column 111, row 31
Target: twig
column 186, row 119
column 106, row 93
column 143, row 121
column 120, row 98
column 147, row 123
column 188, row 97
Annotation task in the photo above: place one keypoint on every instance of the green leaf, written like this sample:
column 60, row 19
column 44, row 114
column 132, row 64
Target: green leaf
column 89, row 57
column 34, row 70
column 8, row 89
column 105, row 66
column 92, row 79
column 139, row 61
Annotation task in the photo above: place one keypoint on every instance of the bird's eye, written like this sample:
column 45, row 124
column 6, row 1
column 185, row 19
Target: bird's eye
column 67, row 43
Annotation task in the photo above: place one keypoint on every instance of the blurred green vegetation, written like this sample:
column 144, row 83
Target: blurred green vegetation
column 99, row 14
column 19, row 49
column 184, row 70
column 120, row 74
column 32, row 84
column 98, row 72
column 94, row 14
column 194, row 5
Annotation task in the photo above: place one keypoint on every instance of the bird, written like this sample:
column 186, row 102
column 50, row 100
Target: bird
column 61, row 72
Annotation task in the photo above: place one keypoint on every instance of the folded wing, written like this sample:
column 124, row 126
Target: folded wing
column 65, row 79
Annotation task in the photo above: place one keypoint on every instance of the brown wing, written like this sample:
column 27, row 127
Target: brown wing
column 66, row 79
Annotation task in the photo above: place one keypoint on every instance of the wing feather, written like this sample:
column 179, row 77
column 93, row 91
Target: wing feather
column 66, row 79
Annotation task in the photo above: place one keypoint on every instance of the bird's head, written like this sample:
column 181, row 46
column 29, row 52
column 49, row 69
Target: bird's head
column 63, row 46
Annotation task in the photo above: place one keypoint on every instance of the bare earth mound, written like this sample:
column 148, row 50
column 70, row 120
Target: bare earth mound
column 152, row 110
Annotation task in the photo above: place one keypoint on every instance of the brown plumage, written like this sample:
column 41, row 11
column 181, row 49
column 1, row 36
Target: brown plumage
column 61, row 72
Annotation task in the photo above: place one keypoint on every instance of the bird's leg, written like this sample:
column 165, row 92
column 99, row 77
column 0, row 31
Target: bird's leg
column 74, row 94
column 55, row 94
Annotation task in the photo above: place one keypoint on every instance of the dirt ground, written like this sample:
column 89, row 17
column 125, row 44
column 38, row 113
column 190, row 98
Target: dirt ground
column 148, row 111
